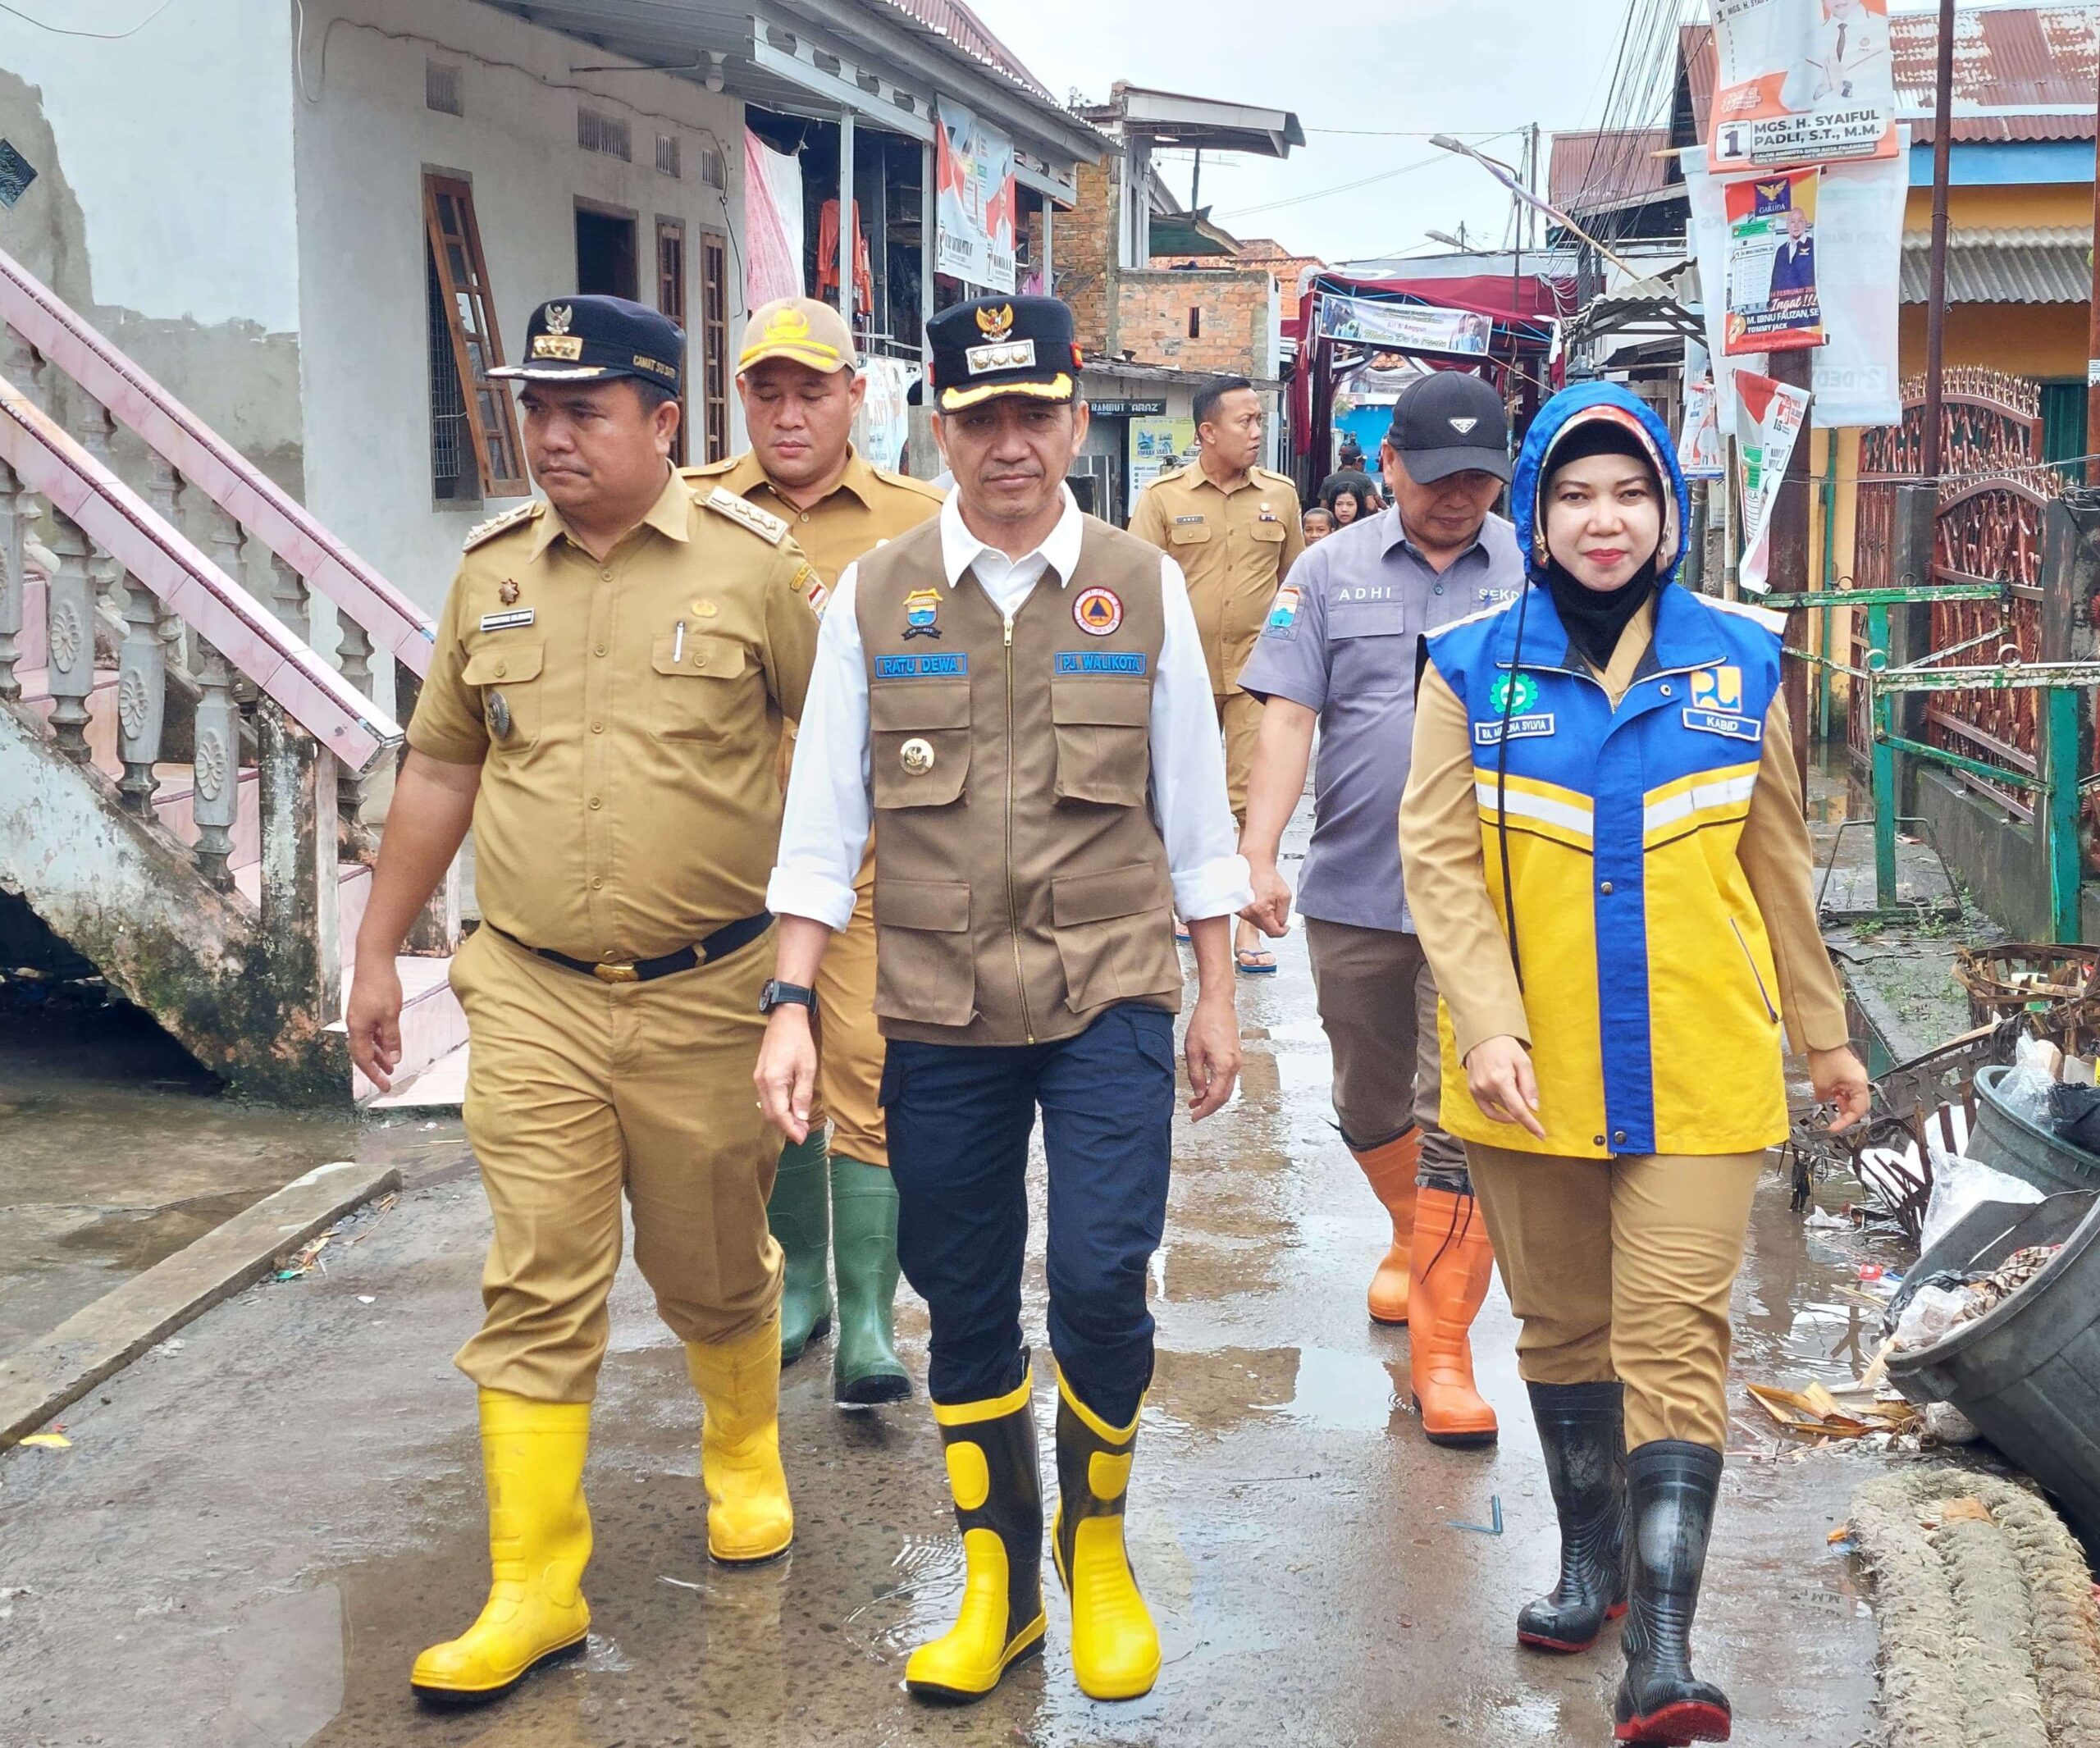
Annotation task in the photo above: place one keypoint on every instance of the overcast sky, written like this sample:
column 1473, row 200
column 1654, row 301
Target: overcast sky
column 1397, row 66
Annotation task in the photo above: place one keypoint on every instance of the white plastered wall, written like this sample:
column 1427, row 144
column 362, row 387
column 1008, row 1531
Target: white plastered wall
column 365, row 140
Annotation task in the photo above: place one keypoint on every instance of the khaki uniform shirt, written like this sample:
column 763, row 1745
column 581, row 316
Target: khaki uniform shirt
column 1234, row 547
column 868, row 506
column 1440, row 844
column 626, row 716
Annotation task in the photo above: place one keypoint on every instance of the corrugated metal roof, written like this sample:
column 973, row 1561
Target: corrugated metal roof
column 2020, row 72
column 952, row 20
column 2039, row 264
column 1607, row 163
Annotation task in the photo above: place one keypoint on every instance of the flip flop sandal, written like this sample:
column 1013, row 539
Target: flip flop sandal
column 1247, row 956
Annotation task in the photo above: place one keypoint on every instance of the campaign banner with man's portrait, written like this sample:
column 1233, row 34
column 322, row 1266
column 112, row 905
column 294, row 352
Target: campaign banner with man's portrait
column 1404, row 327
column 1801, row 82
column 976, row 200
column 1774, row 305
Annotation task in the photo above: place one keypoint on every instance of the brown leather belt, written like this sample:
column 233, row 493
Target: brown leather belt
column 720, row 945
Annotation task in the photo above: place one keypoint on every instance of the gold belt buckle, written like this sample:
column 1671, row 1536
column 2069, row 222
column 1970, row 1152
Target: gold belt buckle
column 616, row 974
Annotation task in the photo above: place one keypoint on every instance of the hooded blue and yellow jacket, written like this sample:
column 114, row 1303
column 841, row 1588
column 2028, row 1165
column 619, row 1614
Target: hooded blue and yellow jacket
column 1651, row 997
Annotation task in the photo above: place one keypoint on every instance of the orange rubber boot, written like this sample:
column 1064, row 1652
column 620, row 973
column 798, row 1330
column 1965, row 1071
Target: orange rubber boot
column 1453, row 1261
column 1390, row 1170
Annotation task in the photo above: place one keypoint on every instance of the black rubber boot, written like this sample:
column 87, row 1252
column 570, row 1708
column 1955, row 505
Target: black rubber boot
column 1583, row 1429
column 1671, row 1487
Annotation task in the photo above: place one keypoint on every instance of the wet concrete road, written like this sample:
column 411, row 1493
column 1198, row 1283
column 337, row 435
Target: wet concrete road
column 257, row 1527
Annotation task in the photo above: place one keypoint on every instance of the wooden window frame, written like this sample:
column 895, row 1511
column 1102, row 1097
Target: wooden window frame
column 713, row 337
column 673, row 297
column 490, row 415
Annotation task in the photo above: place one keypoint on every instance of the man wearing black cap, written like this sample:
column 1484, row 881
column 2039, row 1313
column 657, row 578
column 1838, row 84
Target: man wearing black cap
column 604, row 707
column 1338, row 654
column 1016, row 694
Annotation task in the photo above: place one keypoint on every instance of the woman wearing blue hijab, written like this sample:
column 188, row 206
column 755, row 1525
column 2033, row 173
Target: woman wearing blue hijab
column 1610, row 871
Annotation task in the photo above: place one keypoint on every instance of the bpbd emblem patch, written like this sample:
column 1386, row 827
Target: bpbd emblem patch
column 1098, row 612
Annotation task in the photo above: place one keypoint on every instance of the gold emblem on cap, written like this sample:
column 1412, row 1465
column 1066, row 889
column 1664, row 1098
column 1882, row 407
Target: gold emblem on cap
column 559, row 317
column 918, row 756
column 996, row 324
column 787, row 325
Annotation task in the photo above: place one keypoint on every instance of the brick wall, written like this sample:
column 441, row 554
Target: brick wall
column 1231, row 311
column 1082, row 250
column 1145, row 312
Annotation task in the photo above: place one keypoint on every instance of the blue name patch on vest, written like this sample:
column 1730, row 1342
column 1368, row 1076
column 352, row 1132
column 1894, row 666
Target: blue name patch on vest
column 1719, row 722
column 1130, row 662
column 922, row 667
column 1520, row 727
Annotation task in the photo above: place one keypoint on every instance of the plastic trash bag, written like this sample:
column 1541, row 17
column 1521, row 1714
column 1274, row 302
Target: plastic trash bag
column 1948, row 1425
column 2074, row 1115
column 2024, row 1089
column 1960, row 1185
column 1932, row 1313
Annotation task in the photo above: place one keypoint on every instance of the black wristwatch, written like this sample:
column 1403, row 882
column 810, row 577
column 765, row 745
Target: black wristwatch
column 778, row 994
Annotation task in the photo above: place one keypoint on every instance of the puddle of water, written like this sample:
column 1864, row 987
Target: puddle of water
column 1347, row 1392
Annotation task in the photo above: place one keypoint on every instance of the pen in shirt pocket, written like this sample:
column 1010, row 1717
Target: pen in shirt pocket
column 679, row 645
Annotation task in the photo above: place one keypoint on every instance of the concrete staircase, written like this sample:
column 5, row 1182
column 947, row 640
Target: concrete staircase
column 182, row 775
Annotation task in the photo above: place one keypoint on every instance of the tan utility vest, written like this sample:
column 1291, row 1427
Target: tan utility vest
column 1021, row 884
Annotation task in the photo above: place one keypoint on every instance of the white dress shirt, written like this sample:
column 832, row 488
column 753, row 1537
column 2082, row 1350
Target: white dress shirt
column 830, row 804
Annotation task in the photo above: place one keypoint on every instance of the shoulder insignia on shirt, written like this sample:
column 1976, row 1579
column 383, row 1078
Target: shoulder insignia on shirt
column 764, row 523
column 917, row 487
column 1166, row 478
column 1281, row 479
column 515, row 516
column 1775, row 623
column 709, row 469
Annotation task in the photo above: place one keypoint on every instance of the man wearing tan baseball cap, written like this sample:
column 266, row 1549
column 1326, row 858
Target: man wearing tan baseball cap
column 797, row 377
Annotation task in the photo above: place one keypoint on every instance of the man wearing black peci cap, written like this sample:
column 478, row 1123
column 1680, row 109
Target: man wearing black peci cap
column 1338, row 654
column 604, row 706
column 1016, row 694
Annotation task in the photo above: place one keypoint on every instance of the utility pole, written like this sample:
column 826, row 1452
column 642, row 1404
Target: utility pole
column 1789, row 573
column 1196, row 183
column 1936, row 297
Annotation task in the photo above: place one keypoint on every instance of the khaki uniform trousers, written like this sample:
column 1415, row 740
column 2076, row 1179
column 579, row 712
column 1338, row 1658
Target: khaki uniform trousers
column 578, row 1090
column 1239, row 715
column 1377, row 1003
column 849, row 1048
column 1621, row 1268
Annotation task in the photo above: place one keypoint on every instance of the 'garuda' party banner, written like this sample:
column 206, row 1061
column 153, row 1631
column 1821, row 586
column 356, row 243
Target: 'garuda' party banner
column 1773, row 302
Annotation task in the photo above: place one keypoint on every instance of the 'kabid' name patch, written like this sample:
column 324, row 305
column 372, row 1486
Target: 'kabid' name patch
column 1720, row 722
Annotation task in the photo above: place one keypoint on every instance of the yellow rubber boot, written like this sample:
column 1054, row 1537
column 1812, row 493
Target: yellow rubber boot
column 539, row 1543
column 1114, row 1645
column 990, row 1448
column 749, row 1518
column 1390, row 1170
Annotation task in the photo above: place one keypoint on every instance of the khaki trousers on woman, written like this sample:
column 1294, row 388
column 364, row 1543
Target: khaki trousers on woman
column 1621, row 1268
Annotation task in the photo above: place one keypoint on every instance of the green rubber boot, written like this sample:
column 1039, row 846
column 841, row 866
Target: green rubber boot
column 864, row 1368
column 799, row 1214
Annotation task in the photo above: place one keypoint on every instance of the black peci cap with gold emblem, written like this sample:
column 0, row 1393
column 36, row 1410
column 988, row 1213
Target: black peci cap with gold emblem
column 1005, row 345
column 588, row 338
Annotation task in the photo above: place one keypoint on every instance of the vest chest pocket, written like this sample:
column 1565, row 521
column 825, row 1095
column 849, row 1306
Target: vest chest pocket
column 1115, row 935
column 919, row 741
column 924, row 968
column 513, row 694
column 695, row 694
column 1104, row 752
